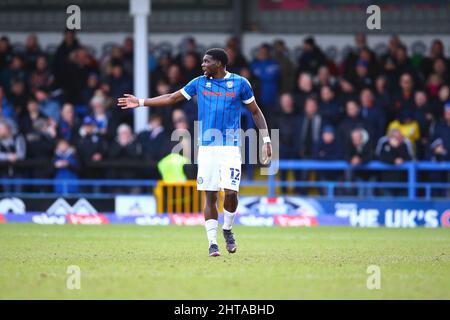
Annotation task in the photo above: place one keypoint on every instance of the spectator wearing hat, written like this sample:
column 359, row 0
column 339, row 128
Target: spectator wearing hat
column 362, row 78
column 328, row 149
column 92, row 148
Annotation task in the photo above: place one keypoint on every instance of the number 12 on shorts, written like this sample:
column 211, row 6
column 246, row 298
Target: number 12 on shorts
column 235, row 173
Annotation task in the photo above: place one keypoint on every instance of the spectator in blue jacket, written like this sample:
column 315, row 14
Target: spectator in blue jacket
column 311, row 58
column 329, row 108
column 328, row 149
column 7, row 110
column 372, row 113
column 440, row 151
column 267, row 71
column 66, row 166
column 440, row 141
column 68, row 125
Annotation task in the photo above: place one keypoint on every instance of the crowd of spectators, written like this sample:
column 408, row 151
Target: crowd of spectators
column 61, row 108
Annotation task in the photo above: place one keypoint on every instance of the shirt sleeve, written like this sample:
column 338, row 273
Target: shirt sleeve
column 246, row 92
column 190, row 90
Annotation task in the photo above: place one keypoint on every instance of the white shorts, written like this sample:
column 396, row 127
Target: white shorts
column 219, row 167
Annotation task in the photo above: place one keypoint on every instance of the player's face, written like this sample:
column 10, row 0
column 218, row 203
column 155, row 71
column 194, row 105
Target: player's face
column 209, row 66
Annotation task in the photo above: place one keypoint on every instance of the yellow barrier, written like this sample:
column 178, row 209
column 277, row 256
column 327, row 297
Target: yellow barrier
column 182, row 197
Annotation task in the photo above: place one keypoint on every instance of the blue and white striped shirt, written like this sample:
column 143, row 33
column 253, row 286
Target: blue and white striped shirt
column 219, row 107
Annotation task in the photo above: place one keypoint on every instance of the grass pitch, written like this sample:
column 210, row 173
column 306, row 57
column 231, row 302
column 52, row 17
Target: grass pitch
column 171, row 262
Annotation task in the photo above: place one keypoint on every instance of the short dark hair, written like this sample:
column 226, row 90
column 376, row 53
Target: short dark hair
column 218, row 54
column 312, row 97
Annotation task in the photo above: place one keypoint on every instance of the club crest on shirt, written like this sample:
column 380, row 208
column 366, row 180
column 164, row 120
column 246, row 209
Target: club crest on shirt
column 229, row 84
column 208, row 85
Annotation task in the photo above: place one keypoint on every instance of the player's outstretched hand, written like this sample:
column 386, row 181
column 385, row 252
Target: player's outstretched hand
column 267, row 153
column 128, row 101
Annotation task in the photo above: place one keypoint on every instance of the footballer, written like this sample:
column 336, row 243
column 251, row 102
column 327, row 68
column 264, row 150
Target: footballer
column 220, row 95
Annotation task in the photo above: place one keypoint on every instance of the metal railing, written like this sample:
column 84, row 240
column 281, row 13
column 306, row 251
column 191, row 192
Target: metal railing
column 109, row 187
column 411, row 168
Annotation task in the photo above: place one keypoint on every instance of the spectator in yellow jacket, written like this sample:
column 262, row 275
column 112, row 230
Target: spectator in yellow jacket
column 408, row 127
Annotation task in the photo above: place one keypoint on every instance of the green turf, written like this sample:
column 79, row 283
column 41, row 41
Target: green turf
column 135, row 262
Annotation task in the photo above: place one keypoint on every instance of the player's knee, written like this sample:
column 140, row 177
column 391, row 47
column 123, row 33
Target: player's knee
column 211, row 198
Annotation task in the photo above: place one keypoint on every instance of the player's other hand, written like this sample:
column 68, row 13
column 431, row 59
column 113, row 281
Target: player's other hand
column 267, row 153
column 128, row 101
